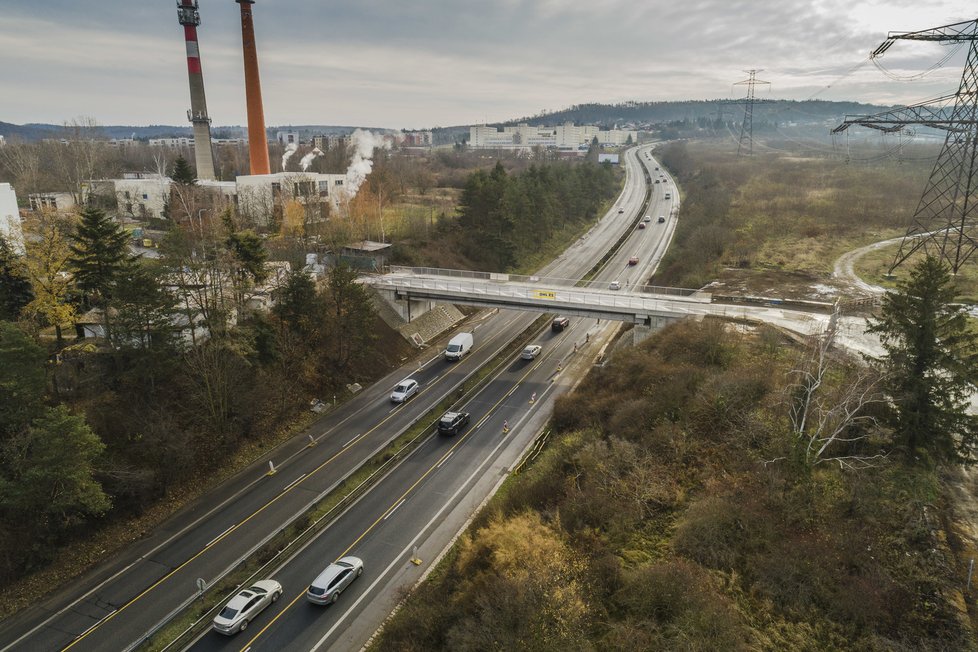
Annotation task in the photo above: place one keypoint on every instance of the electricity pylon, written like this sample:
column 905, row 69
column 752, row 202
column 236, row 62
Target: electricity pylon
column 944, row 223
column 747, row 129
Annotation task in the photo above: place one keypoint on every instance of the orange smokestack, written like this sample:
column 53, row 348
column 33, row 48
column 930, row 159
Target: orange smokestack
column 257, row 140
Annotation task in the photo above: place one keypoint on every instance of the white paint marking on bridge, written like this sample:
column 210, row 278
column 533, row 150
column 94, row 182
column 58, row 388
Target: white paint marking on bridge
column 218, row 537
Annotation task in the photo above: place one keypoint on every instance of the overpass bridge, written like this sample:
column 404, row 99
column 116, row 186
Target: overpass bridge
column 411, row 290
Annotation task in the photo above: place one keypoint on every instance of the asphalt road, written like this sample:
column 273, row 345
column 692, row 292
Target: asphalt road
column 113, row 607
column 422, row 503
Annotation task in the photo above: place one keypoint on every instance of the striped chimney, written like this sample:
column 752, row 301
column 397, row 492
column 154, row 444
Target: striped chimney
column 257, row 140
column 189, row 17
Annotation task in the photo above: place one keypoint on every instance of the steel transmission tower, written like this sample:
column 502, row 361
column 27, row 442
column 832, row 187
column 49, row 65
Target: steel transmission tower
column 944, row 223
column 746, row 145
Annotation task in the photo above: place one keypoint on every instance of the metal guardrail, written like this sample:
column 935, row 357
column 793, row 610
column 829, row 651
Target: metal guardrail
column 545, row 281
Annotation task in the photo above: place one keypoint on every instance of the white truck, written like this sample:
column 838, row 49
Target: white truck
column 458, row 346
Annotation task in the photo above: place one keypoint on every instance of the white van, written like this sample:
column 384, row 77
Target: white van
column 458, row 346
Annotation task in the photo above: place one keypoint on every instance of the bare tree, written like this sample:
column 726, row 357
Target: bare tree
column 827, row 418
column 23, row 161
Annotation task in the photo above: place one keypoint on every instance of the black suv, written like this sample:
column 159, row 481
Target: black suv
column 452, row 422
column 559, row 324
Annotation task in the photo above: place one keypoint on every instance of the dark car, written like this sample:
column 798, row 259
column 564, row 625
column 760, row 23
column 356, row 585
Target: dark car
column 452, row 422
column 559, row 324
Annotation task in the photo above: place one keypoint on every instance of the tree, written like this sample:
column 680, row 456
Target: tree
column 144, row 307
column 183, row 173
column 99, row 253
column 47, row 263
column 15, row 288
column 931, row 364
column 21, row 378
column 350, row 316
column 48, row 473
column 299, row 305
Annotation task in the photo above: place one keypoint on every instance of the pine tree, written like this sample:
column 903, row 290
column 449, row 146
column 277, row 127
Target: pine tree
column 15, row 288
column 99, row 252
column 183, row 173
column 931, row 364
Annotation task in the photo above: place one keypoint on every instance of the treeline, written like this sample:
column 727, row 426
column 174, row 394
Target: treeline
column 182, row 372
column 679, row 505
column 503, row 217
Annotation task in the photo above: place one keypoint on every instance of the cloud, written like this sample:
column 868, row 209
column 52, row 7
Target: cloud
column 388, row 64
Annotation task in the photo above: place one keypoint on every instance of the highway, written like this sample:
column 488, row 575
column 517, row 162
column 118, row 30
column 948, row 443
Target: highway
column 117, row 604
column 429, row 496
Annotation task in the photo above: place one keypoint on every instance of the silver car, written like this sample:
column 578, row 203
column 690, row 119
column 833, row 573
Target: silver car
column 531, row 351
column 247, row 604
column 326, row 588
column 404, row 390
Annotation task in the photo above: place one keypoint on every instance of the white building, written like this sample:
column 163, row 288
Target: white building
column 287, row 137
column 51, row 201
column 259, row 195
column 10, row 218
column 182, row 141
column 565, row 136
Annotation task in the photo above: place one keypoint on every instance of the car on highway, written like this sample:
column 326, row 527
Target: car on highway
column 621, row 210
column 633, row 260
column 451, row 423
column 404, row 390
column 614, row 285
column 658, row 181
column 531, row 351
column 326, row 588
column 641, row 225
column 662, row 219
column 244, row 606
column 647, row 219
column 559, row 324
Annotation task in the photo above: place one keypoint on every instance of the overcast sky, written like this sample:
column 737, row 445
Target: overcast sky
column 391, row 63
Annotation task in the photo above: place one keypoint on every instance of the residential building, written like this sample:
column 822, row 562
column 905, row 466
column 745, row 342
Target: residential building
column 52, row 201
column 260, row 196
column 566, row 136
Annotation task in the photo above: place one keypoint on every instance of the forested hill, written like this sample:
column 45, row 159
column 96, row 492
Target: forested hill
column 641, row 113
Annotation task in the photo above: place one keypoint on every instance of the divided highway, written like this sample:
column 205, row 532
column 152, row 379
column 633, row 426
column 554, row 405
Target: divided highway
column 116, row 605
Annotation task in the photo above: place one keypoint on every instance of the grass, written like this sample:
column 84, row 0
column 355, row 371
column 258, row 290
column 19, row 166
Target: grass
column 873, row 268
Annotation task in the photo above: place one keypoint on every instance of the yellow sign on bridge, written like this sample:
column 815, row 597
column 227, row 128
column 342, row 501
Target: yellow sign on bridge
column 544, row 294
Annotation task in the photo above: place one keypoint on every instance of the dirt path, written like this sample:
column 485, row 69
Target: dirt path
column 843, row 268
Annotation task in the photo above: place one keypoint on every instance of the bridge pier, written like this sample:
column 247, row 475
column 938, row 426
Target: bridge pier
column 406, row 307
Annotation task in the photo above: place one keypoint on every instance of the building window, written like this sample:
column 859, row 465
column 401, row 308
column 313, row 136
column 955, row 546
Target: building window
column 339, row 182
column 145, row 196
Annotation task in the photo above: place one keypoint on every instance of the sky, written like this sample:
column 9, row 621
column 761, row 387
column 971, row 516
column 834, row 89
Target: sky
column 427, row 63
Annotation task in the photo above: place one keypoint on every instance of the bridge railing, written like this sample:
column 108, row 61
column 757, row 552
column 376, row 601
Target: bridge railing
column 543, row 281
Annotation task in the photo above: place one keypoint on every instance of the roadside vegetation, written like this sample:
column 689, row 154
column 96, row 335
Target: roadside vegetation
column 726, row 487
column 715, row 488
column 775, row 223
column 145, row 417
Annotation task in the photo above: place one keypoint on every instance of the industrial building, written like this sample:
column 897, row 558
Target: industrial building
column 567, row 136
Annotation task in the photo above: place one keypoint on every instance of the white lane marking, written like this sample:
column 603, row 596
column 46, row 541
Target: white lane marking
column 394, row 509
column 352, row 440
column 294, row 482
column 99, row 622
column 438, row 466
column 215, row 539
column 398, row 558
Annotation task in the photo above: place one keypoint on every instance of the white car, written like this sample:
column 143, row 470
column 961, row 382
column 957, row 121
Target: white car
column 531, row 351
column 404, row 390
column 326, row 588
column 614, row 285
column 247, row 604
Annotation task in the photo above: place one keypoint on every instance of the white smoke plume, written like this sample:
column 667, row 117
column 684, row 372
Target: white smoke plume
column 364, row 144
column 308, row 158
column 289, row 151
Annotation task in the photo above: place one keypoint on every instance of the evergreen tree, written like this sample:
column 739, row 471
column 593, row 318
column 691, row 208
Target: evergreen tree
column 99, row 252
column 350, row 317
column 298, row 304
column 183, row 173
column 931, row 364
column 15, row 288
column 144, row 307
